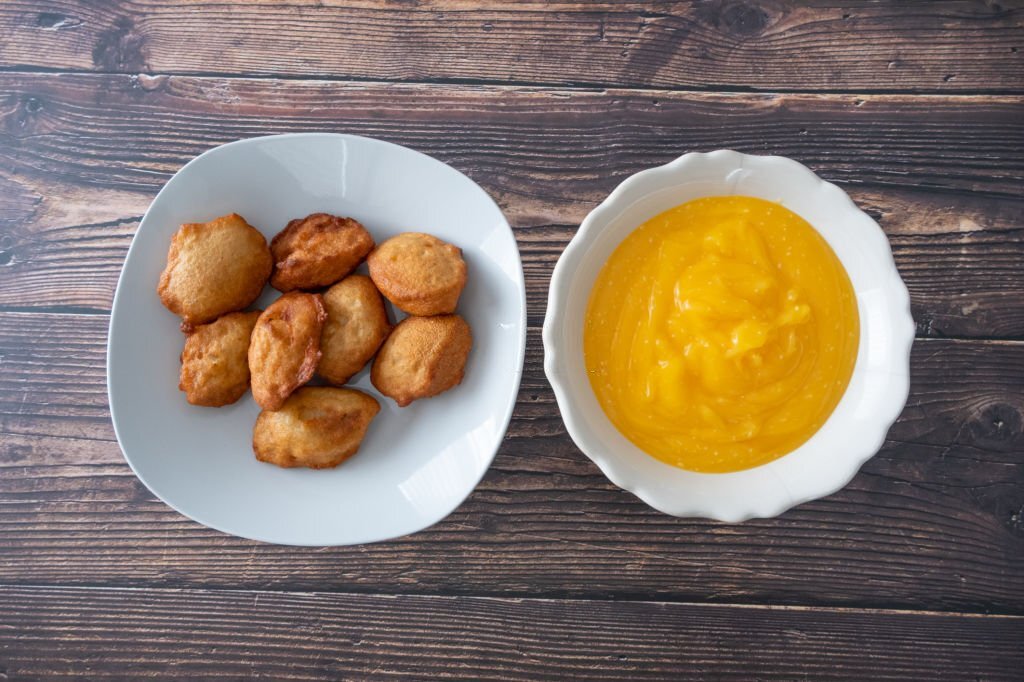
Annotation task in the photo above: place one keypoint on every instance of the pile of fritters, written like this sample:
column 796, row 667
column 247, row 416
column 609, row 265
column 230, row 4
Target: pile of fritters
column 328, row 322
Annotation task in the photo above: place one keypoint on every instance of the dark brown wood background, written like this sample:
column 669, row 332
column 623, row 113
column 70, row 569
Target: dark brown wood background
column 914, row 571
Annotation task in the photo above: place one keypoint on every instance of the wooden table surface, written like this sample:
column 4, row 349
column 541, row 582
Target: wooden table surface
column 547, row 572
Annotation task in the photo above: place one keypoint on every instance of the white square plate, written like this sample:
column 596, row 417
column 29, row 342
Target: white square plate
column 417, row 463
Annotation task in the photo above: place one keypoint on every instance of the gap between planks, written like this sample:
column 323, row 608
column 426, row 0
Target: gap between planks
column 84, row 311
column 517, row 599
column 572, row 86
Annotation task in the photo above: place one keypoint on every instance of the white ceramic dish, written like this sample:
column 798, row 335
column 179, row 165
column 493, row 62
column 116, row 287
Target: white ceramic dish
column 872, row 402
column 417, row 463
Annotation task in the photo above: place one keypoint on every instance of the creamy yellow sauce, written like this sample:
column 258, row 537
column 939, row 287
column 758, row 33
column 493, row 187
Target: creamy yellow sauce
column 721, row 334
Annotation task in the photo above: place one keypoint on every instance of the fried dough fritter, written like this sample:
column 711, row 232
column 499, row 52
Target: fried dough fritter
column 214, row 363
column 422, row 357
column 214, row 268
column 356, row 326
column 285, row 347
column 317, row 427
column 419, row 273
column 317, row 251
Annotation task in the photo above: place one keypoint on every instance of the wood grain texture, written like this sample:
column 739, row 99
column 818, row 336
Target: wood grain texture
column 82, row 156
column 962, row 283
column 547, row 571
column 943, row 46
column 934, row 521
column 131, row 634
column 130, row 133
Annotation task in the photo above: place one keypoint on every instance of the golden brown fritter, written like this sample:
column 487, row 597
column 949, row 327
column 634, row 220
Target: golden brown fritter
column 422, row 357
column 214, row 268
column 318, row 427
column 285, row 347
column 317, row 251
column 356, row 326
column 419, row 273
column 215, row 364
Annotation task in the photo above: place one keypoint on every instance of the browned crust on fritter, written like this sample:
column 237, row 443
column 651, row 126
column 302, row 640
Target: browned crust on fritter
column 214, row 362
column 214, row 268
column 285, row 347
column 317, row 251
column 422, row 357
column 317, row 427
column 356, row 326
column 418, row 284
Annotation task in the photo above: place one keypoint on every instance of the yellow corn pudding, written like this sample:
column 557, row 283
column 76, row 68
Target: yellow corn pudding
column 721, row 334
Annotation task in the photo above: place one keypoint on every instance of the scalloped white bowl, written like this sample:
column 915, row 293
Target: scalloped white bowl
column 881, row 377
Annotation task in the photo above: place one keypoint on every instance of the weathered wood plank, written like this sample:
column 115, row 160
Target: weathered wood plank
column 961, row 283
column 947, row 46
column 144, row 634
column 83, row 155
column 130, row 133
column 933, row 521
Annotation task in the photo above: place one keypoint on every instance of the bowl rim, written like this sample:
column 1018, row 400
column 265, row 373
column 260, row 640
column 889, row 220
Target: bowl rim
column 119, row 291
column 624, row 195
